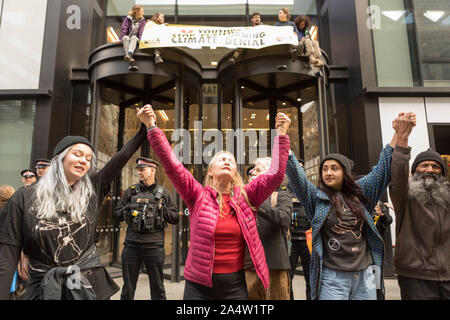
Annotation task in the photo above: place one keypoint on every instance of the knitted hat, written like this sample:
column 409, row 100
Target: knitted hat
column 343, row 160
column 429, row 155
column 70, row 141
column 146, row 162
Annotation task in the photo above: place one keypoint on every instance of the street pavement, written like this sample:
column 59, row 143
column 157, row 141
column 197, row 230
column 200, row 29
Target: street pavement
column 174, row 290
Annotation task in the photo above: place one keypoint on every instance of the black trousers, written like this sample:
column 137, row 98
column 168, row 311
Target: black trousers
column 153, row 258
column 226, row 286
column 418, row 289
column 299, row 248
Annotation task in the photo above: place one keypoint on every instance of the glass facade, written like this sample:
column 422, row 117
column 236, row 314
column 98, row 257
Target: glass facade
column 16, row 133
column 419, row 29
column 22, row 25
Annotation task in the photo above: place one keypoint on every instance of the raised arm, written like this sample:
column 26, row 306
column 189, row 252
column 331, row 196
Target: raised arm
column 187, row 187
column 299, row 183
column 378, row 179
column 399, row 187
column 112, row 169
column 262, row 186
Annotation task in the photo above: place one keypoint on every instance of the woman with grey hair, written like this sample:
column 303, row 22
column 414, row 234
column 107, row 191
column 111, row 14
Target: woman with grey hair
column 54, row 222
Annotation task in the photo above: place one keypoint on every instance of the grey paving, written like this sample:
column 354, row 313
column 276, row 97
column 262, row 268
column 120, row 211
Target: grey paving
column 174, row 291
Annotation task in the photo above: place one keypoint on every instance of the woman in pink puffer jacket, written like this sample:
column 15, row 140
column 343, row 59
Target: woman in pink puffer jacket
column 222, row 215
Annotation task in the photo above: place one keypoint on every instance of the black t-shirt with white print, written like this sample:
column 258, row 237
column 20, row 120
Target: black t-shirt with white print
column 344, row 242
column 61, row 241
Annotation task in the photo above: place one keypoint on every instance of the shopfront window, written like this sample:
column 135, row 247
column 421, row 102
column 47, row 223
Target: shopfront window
column 16, row 131
column 433, row 30
column 419, row 29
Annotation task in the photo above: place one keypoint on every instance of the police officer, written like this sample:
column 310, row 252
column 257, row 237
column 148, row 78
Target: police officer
column 28, row 177
column 42, row 166
column 147, row 208
column 299, row 225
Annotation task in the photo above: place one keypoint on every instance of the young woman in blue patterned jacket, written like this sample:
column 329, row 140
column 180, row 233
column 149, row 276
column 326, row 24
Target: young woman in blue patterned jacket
column 347, row 254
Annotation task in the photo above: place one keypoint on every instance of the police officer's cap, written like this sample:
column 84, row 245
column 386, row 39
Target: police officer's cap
column 41, row 163
column 146, row 162
column 27, row 170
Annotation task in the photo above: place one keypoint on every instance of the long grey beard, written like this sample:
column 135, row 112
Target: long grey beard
column 429, row 189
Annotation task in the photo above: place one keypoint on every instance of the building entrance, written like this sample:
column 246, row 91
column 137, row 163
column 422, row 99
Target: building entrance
column 230, row 98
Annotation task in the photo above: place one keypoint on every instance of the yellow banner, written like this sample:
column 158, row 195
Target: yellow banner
column 196, row 37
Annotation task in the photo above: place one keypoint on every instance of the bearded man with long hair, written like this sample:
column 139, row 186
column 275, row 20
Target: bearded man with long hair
column 422, row 217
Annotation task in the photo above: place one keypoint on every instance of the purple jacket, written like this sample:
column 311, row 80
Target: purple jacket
column 204, row 208
column 126, row 28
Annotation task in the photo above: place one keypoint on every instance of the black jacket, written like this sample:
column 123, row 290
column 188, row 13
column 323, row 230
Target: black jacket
column 169, row 209
column 383, row 221
column 300, row 222
column 273, row 224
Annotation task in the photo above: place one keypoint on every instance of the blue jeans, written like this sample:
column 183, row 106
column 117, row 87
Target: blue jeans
column 340, row 285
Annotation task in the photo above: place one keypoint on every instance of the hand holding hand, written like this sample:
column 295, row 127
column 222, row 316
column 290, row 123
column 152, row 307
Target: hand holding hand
column 147, row 115
column 404, row 124
column 282, row 123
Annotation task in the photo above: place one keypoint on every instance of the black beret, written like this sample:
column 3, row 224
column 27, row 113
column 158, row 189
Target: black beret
column 70, row 141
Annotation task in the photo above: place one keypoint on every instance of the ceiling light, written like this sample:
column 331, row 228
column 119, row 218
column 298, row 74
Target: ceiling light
column 394, row 15
column 163, row 115
column 214, row 63
column 434, row 15
column 306, row 106
column 113, row 34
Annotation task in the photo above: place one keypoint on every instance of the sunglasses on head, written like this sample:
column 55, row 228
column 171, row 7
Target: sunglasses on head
column 41, row 166
column 28, row 176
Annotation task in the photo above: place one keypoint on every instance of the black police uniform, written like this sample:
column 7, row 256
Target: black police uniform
column 299, row 224
column 147, row 210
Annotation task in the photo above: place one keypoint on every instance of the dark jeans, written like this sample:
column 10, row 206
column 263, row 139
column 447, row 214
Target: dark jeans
column 300, row 249
column 153, row 258
column 226, row 286
column 418, row 289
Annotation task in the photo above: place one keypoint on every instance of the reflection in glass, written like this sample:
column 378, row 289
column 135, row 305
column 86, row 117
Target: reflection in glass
column 107, row 147
column 310, row 124
column 16, row 132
